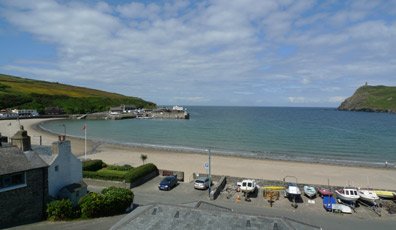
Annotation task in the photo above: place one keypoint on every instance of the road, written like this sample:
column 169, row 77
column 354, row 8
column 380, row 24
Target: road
column 184, row 193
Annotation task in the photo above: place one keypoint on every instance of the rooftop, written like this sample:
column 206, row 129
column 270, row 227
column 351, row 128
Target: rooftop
column 202, row 216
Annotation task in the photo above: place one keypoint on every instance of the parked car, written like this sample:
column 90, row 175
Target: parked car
column 201, row 183
column 168, row 183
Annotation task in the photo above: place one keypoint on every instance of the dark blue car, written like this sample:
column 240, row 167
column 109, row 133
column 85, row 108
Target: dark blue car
column 168, row 183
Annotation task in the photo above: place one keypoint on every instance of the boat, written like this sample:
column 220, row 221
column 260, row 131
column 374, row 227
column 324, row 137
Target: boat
column 273, row 188
column 341, row 208
column 292, row 190
column 310, row 191
column 328, row 202
column 325, row 192
column 385, row 194
column 247, row 186
column 349, row 194
column 368, row 196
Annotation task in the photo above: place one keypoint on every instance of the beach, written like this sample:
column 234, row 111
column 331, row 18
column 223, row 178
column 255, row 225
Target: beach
column 189, row 163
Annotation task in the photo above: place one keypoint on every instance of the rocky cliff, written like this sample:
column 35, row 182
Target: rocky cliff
column 371, row 99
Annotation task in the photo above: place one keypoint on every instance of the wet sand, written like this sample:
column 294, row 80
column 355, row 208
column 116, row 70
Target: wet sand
column 189, row 163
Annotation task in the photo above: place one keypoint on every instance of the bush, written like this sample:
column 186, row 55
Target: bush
column 92, row 205
column 112, row 201
column 117, row 200
column 139, row 172
column 93, row 165
column 119, row 167
column 106, row 174
column 60, row 210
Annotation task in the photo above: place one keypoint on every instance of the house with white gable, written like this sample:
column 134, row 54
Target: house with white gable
column 64, row 168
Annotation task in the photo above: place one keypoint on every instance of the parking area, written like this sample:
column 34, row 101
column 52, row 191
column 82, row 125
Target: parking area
column 185, row 193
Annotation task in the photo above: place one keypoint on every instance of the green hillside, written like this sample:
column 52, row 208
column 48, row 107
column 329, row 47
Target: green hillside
column 371, row 98
column 16, row 92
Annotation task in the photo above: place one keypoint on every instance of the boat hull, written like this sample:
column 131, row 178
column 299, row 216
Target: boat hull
column 368, row 196
column 385, row 194
column 310, row 191
column 344, row 197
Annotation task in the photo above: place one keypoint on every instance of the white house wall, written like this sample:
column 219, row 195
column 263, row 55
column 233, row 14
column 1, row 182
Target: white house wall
column 69, row 169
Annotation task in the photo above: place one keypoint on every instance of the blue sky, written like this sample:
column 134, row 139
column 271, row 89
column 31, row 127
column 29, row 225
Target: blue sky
column 247, row 52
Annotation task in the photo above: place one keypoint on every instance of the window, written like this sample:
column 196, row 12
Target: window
column 56, row 168
column 12, row 181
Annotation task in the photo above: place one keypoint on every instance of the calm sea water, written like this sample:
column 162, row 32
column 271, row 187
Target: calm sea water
column 306, row 134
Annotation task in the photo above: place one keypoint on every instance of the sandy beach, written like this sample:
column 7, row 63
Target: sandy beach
column 189, row 163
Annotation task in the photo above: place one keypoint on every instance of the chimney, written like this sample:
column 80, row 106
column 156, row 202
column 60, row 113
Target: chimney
column 61, row 146
column 61, row 137
column 21, row 140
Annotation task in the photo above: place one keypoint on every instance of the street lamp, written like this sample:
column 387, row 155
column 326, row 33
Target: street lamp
column 64, row 128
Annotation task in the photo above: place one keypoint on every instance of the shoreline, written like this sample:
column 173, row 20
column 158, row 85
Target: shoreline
column 225, row 153
column 230, row 165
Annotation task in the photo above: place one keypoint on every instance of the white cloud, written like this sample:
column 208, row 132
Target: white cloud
column 161, row 50
column 337, row 99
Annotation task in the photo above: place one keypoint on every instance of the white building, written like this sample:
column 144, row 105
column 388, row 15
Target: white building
column 64, row 167
column 25, row 112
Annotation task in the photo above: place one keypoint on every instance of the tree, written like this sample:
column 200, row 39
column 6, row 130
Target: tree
column 143, row 157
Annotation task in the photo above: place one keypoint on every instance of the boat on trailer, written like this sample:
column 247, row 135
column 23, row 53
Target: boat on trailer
column 385, row 194
column 310, row 191
column 325, row 192
column 368, row 196
column 349, row 194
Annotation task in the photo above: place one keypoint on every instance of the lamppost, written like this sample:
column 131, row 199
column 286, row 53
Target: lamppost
column 64, row 128
column 210, row 176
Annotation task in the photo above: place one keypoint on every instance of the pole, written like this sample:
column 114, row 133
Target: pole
column 64, row 129
column 85, row 142
column 210, row 176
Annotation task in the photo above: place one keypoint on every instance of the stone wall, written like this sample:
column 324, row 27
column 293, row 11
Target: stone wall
column 27, row 204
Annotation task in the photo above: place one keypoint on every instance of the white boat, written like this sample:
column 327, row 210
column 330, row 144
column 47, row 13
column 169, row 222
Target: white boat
column 341, row 208
column 368, row 196
column 310, row 191
column 292, row 190
column 247, row 186
column 347, row 194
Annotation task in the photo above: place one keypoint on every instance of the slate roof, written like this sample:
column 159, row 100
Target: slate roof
column 45, row 152
column 14, row 160
column 161, row 216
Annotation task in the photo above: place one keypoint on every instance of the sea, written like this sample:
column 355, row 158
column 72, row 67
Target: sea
column 282, row 133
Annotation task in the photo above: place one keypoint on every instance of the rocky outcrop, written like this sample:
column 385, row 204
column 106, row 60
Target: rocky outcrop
column 371, row 99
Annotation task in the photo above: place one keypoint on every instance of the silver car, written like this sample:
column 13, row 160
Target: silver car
column 201, row 183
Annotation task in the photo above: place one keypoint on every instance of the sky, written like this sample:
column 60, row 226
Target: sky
column 227, row 52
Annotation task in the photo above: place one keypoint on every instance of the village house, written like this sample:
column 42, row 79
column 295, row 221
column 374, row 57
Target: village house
column 28, row 178
column 65, row 169
column 23, row 183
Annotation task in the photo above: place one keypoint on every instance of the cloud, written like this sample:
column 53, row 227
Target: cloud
column 212, row 51
column 337, row 99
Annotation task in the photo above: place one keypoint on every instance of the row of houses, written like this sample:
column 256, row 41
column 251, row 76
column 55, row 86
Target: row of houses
column 14, row 113
column 32, row 177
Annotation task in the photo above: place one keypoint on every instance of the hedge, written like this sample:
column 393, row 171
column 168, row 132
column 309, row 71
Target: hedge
column 139, row 172
column 60, row 210
column 93, row 165
column 112, row 201
column 106, row 174
column 119, row 167
column 92, row 205
column 117, row 200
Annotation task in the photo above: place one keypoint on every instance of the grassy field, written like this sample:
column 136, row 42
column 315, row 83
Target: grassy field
column 372, row 98
column 16, row 92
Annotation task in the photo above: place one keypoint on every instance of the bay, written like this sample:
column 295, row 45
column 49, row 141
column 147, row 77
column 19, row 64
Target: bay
column 300, row 134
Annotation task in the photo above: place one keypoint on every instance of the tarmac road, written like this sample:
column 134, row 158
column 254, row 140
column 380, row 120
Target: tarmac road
column 184, row 193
